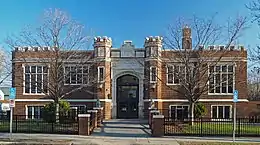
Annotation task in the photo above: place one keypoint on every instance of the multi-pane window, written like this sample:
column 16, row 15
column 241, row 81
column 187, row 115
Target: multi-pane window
column 175, row 73
column 76, row 74
column 101, row 51
column 101, row 74
column 221, row 112
column 152, row 52
column 153, row 74
column 34, row 112
column 221, row 79
column 36, row 79
column 179, row 112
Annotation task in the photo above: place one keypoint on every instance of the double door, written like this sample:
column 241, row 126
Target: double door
column 127, row 102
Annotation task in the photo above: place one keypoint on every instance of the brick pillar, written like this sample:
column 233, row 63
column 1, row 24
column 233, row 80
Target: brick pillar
column 84, row 128
column 94, row 117
column 151, row 113
column 99, row 115
column 158, row 126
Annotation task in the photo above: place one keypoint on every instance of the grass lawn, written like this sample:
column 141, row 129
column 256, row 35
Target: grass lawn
column 213, row 128
column 38, row 127
column 215, row 143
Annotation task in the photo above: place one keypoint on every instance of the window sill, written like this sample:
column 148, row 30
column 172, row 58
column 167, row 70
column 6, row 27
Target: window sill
column 219, row 94
column 221, row 120
column 172, row 84
column 73, row 84
column 38, row 94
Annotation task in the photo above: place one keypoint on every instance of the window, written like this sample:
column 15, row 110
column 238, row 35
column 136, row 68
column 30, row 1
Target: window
column 179, row 112
column 154, row 51
column 175, row 73
column 153, row 74
column 221, row 79
column 36, row 79
column 221, row 112
column 101, row 74
column 101, row 51
column 76, row 74
column 34, row 112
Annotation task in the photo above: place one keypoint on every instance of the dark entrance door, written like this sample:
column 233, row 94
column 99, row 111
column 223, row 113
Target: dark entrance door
column 127, row 97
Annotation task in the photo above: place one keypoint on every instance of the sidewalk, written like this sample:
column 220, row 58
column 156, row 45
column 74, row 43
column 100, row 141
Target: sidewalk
column 56, row 139
column 215, row 139
column 84, row 140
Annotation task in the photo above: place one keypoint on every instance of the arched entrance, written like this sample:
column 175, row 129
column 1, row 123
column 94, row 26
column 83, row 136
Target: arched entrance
column 127, row 96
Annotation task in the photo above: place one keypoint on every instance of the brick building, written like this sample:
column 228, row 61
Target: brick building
column 129, row 78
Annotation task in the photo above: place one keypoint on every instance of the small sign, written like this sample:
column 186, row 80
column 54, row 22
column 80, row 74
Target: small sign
column 235, row 97
column 12, row 93
column 2, row 95
column 5, row 107
column 12, row 103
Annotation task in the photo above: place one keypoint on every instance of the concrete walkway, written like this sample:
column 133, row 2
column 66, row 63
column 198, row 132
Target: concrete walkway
column 123, row 128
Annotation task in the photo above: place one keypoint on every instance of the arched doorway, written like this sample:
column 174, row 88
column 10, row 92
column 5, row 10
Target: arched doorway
column 127, row 96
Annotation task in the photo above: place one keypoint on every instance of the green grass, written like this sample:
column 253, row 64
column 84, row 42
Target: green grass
column 218, row 128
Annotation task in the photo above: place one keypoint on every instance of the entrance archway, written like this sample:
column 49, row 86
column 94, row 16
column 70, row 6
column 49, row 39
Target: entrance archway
column 127, row 97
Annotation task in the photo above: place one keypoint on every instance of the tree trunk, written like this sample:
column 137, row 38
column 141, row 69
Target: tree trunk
column 192, row 107
column 57, row 115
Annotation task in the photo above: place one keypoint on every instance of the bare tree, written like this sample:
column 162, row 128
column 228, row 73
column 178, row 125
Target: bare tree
column 61, row 45
column 194, row 60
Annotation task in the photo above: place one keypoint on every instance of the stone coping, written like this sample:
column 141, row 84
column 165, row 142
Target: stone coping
column 158, row 116
column 84, row 115
column 92, row 111
column 101, row 108
column 154, row 111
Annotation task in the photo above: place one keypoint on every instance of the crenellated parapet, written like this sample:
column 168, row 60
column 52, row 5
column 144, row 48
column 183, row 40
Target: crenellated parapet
column 222, row 47
column 153, row 41
column 102, row 41
column 32, row 49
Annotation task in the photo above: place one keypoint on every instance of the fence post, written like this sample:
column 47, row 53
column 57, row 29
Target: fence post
column 94, row 113
column 238, row 128
column 84, row 126
column 99, row 115
column 158, row 125
column 201, row 128
column 151, row 113
column 16, row 123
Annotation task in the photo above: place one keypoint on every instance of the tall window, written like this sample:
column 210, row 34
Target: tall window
column 34, row 112
column 221, row 79
column 179, row 112
column 36, row 79
column 154, row 51
column 175, row 73
column 76, row 74
column 220, row 112
column 153, row 74
column 101, row 51
column 101, row 74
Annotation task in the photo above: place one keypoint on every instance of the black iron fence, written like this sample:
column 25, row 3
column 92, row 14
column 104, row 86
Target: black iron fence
column 36, row 124
column 211, row 127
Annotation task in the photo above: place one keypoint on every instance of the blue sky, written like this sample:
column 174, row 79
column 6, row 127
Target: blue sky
column 123, row 19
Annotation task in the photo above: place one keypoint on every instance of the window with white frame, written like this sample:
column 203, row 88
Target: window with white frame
column 153, row 74
column 175, row 73
column 34, row 112
column 154, row 52
column 76, row 74
column 179, row 112
column 221, row 79
column 101, row 74
column 221, row 111
column 101, row 51
column 35, row 79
